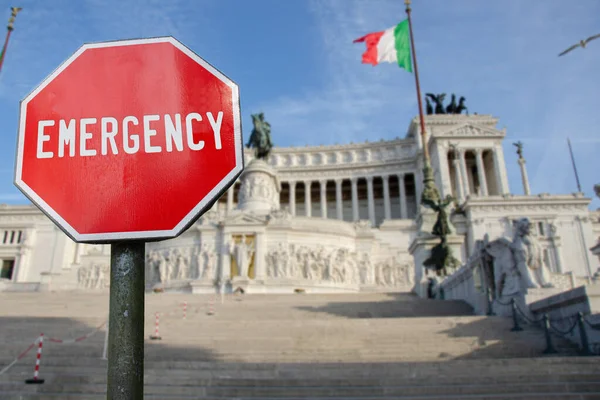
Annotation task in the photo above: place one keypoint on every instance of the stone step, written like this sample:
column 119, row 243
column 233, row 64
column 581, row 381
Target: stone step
column 360, row 347
column 193, row 378
column 455, row 371
column 536, row 396
column 398, row 392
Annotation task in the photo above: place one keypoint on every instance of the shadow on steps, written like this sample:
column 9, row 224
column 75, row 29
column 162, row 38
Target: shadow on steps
column 397, row 305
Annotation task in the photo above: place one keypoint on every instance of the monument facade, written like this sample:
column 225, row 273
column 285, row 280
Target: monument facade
column 339, row 218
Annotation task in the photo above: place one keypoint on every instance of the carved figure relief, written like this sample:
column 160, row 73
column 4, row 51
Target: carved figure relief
column 166, row 265
column 339, row 265
column 258, row 186
column 95, row 276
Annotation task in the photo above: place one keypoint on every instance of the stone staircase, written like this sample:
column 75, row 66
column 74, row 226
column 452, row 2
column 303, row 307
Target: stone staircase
column 344, row 346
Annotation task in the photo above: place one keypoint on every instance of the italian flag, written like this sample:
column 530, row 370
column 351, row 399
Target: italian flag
column 391, row 45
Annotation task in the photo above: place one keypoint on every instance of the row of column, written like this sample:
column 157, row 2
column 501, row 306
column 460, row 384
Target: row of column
column 461, row 174
column 354, row 186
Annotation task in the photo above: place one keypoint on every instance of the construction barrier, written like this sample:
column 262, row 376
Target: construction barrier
column 156, row 335
column 36, row 371
column 183, row 308
column 53, row 340
column 211, row 305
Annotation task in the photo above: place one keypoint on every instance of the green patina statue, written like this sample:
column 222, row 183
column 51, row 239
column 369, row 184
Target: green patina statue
column 438, row 104
column 260, row 138
column 441, row 254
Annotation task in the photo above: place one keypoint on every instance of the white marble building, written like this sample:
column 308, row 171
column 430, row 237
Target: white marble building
column 339, row 218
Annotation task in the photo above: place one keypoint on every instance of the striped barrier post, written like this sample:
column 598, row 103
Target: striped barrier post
column 156, row 335
column 36, row 372
column 105, row 349
column 184, row 309
column 211, row 305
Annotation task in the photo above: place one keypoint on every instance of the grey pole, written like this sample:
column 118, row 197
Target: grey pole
column 126, row 321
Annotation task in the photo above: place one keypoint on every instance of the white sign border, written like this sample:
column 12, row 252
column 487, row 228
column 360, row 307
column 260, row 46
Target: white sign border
column 195, row 213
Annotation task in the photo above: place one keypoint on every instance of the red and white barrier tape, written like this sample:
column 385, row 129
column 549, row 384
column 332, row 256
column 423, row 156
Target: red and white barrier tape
column 20, row 356
column 53, row 340
column 183, row 308
column 80, row 338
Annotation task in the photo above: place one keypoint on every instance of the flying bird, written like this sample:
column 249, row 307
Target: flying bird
column 581, row 44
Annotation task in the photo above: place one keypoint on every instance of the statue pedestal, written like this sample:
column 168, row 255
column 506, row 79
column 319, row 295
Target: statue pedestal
column 260, row 187
column 420, row 249
column 425, row 220
column 240, row 282
column 204, row 287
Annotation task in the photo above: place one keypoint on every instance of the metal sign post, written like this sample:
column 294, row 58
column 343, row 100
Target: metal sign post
column 126, row 321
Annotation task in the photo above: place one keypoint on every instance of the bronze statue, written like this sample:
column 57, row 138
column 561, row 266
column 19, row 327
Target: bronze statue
column 451, row 109
column 461, row 106
column 13, row 14
column 442, row 226
column 519, row 146
column 438, row 101
column 428, row 106
column 260, row 138
column 441, row 254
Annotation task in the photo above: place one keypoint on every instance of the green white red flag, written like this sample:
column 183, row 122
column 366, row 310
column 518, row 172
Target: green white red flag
column 391, row 45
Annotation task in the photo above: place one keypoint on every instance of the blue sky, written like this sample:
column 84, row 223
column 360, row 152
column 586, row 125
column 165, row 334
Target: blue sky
column 295, row 60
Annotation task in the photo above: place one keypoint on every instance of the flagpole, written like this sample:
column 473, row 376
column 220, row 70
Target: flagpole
column 9, row 28
column 430, row 192
column 574, row 166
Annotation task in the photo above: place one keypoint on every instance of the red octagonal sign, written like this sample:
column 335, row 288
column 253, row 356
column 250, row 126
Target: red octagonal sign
column 129, row 140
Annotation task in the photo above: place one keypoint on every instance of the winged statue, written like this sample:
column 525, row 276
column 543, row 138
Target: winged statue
column 513, row 266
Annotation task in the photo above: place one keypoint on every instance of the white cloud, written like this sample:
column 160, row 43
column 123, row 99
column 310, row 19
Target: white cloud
column 501, row 56
column 358, row 101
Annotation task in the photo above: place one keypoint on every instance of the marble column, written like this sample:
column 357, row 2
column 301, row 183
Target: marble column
column 292, row 185
column 230, row 198
column 386, row 197
column 418, row 187
column 354, row 183
column 338, row 199
column 463, row 171
column 481, row 172
column 524, row 177
column 370, row 200
column 498, row 172
column 460, row 193
column 307, row 200
column 556, row 244
column 505, row 187
column 77, row 255
column 402, row 189
column 444, row 171
column 323, row 185
column 259, row 256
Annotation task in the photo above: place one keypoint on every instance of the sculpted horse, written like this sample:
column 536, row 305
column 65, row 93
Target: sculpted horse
column 260, row 138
